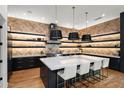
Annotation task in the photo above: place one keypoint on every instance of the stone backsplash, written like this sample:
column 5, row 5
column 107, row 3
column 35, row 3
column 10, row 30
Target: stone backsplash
column 20, row 25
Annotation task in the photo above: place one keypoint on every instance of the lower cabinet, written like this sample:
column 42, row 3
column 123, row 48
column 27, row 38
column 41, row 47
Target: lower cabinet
column 114, row 63
column 24, row 63
column 9, row 68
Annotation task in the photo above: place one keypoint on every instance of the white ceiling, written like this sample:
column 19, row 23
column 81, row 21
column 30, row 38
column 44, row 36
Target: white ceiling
column 46, row 13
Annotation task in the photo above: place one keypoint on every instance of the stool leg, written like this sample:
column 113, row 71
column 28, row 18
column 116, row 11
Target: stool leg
column 72, row 83
column 65, row 84
column 107, row 72
column 95, row 77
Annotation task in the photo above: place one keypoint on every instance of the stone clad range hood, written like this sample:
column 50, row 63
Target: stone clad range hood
column 53, row 42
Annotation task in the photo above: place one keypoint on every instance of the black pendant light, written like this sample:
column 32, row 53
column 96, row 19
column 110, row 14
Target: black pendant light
column 86, row 37
column 55, row 34
column 73, row 35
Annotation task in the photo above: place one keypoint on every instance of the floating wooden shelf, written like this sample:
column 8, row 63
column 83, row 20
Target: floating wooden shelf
column 88, row 47
column 68, row 47
column 53, row 43
column 102, row 41
column 26, row 33
column 101, row 34
column 101, row 55
column 69, row 42
column 30, row 56
column 26, row 40
column 26, row 47
column 92, row 41
column 105, row 34
column 100, row 47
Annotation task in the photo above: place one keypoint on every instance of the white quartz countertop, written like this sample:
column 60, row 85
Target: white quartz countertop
column 59, row 62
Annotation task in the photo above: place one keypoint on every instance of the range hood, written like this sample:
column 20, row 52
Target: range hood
column 53, row 42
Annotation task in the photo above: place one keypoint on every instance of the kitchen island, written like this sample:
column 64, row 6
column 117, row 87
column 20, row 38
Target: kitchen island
column 51, row 65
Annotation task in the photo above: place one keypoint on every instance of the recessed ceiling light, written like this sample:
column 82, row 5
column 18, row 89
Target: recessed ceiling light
column 103, row 15
column 24, row 14
column 56, row 21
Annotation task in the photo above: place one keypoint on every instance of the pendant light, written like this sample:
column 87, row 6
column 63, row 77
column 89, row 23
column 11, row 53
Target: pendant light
column 55, row 33
column 73, row 35
column 86, row 37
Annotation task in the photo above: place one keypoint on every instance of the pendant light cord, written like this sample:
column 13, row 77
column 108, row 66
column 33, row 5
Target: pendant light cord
column 86, row 20
column 73, row 16
column 56, row 18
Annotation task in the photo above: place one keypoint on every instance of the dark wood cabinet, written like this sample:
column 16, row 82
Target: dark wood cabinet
column 122, row 42
column 9, row 68
column 25, row 62
column 114, row 63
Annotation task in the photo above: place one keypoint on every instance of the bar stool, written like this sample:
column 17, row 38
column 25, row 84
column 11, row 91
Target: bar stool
column 105, row 64
column 68, row 73
column 83, row 70
column 95, row 67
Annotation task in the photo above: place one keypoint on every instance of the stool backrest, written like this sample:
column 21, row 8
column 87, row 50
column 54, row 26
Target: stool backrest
column 70, row 71
column 97, row 65
column 105, row 62
column 84, row 67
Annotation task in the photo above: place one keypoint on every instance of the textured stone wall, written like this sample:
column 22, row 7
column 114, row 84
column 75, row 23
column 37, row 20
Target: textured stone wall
column 102, row 28
column 20, row 25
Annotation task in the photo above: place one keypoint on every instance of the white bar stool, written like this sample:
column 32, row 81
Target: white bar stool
column 83, row 70
column 95, row 67
column 68, row 73
column 105, row 64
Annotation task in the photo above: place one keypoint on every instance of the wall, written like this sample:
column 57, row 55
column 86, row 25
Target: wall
column 21, row 25
column 103, row 28
column 3, row 38
column 106, row 27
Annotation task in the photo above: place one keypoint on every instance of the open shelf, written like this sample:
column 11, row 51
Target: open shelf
column 28, row 56
column 26, row 47
column 25, row 33
column 26, row 40
column 101, row 47
column 88, row 47
column 102, row 41
column 69, row 42
column 106, row 34
column 101, row 55
column 91, row 41
column 68, row 47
